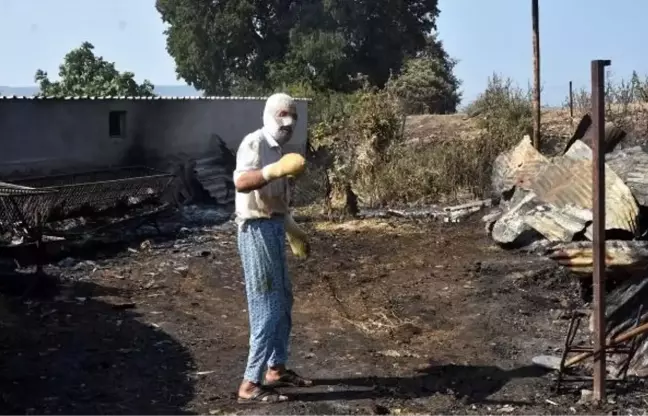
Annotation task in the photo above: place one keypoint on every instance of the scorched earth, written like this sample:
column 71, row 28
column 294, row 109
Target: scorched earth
column 391, row 316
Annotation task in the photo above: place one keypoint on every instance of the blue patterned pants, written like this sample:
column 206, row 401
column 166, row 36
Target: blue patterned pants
column 262, row 246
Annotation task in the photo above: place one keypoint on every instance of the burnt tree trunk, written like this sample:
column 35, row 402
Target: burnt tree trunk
column 351, row 201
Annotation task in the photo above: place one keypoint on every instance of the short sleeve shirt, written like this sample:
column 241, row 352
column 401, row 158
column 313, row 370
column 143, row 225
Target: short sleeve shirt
column 256, row 151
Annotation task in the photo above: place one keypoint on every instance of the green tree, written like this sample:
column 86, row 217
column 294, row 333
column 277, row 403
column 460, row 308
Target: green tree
column 427, row 84
column 318, row 59
column 221, row 45
column 84, row 73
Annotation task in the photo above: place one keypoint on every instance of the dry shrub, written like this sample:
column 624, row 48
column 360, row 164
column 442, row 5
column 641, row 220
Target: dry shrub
column 448, row 171
column 452, row 170
column 503, row 110
column 353, row 142
column 626, row 105
column 358, row 141
column 361, row 146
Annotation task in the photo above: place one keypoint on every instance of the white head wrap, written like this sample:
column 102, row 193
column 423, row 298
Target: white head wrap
column 280, row 128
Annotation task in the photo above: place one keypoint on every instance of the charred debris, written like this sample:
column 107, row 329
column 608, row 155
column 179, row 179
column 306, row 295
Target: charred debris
column 543, row 205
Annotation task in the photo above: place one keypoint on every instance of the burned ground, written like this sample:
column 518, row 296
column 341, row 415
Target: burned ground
column 390, row 316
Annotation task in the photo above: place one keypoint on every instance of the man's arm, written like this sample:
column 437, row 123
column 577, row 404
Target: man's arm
column 248, row 175
column 250, row 180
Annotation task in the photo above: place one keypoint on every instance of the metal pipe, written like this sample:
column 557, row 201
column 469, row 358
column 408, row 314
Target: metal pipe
column 598, row 212
column 536, row 74
column 571, row 101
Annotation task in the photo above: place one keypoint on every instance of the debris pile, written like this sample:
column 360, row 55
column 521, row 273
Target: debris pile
column 544, row 204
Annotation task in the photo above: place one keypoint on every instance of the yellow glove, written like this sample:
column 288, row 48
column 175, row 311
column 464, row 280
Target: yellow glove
column 297, row 238
column 291, row 164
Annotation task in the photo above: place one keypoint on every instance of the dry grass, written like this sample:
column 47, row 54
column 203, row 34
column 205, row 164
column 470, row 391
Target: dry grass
column 435, row 128
column 448, row 158
column 430, row 128
column 365, row 225
column 378, row 323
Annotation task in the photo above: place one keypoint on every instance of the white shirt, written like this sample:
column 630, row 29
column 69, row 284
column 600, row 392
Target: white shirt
column 256, row 151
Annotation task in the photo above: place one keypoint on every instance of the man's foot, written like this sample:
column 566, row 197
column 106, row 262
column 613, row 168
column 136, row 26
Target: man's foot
column 253, row 393
column 286, row 378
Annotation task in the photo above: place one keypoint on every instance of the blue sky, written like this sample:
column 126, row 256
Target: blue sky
column 485, row 35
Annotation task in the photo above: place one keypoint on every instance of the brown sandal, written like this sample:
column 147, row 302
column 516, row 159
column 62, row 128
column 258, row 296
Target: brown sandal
column 263, row 395
column 290, row 379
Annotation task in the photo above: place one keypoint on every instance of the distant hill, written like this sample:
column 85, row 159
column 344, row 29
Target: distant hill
column 165, row 90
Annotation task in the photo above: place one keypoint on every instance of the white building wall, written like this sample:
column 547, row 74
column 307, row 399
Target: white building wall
column 44, row 136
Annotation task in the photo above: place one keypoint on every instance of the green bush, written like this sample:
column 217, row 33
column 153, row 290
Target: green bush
column 426, row 86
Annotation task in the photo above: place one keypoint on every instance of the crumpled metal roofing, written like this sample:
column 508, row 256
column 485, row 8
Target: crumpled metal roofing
column 510, row 226
column 215, row 179
column 623, row 256
column 569, row 182
column 134, row 98
column 558, row 224
column 579, row 151
column 631, row 165
column 517, row 167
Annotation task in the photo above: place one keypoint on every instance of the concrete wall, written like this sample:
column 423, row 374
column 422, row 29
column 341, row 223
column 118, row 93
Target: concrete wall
column 39, row 137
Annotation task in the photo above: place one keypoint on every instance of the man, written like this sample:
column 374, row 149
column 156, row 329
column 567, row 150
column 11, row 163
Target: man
column 263, row 221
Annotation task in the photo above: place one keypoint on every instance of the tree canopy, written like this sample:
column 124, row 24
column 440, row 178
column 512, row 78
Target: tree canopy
column 220, row 46
column 84, row 73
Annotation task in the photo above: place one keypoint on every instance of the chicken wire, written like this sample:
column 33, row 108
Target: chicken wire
column 310, row 188
column 34, row 201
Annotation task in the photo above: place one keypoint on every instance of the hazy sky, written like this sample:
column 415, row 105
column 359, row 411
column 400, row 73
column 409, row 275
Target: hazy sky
column 485, row 35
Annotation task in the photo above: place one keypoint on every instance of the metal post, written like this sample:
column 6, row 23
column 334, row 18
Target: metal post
column 536, row 74
column 571, row 100
column 598, row 211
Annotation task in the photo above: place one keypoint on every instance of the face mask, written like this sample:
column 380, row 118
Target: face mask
column 280, row 118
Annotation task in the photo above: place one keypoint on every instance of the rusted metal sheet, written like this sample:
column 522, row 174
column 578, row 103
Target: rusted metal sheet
column 628, row 258
column 613, row 134
column 631, row 165
column 517, row 167
column 568, row 182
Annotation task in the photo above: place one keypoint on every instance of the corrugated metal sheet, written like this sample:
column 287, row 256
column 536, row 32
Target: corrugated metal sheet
column 626, row 257
column 632, row 167
column 579, row 151
column 558, row 224
column 517, row 167
column 568, row 182
column 216, row 179
column 134, row 98
column 510, row 228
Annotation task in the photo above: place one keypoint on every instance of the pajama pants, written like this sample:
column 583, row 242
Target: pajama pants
column 261, row 246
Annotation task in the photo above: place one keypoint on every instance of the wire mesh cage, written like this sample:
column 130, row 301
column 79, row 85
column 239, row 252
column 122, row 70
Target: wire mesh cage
column 36, row 200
